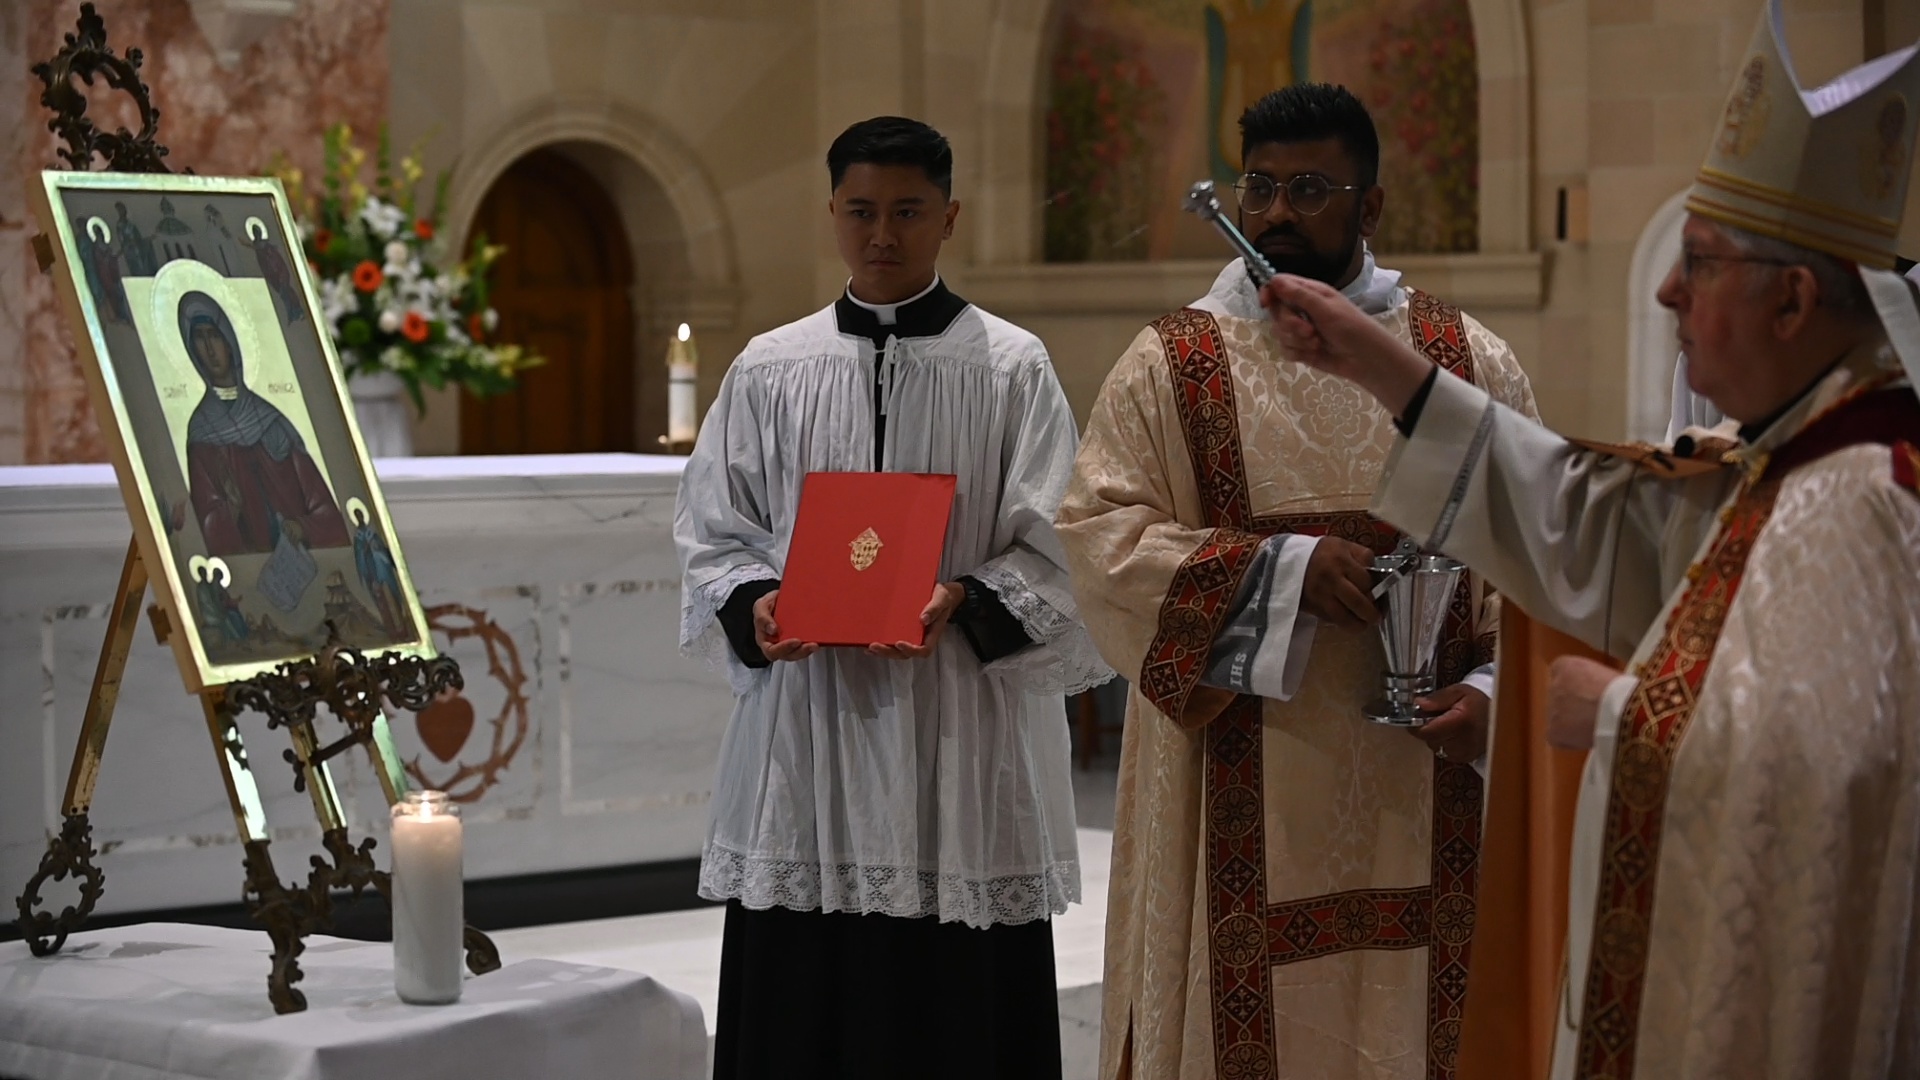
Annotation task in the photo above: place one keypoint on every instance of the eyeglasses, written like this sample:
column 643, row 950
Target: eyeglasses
column 1689, row 262
column 1307, row 193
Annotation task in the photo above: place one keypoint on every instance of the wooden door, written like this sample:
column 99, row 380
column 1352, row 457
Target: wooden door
column 562, row 290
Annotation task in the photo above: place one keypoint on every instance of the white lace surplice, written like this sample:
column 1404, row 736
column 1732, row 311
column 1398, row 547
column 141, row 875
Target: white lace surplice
column 853, row 783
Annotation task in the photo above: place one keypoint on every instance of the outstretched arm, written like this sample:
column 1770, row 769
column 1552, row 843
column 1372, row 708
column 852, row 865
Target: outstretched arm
column 1574, row 537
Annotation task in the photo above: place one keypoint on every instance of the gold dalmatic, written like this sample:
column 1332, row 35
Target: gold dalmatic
column 1250, row 935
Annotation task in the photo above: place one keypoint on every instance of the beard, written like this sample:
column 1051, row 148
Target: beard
column 1302, row 259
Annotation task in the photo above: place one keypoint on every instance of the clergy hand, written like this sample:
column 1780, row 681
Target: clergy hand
column 766, row 634
column 1337, row 584
column 946, row 598
column 1575, row 685
column 1459, row 733
column 1322, row 329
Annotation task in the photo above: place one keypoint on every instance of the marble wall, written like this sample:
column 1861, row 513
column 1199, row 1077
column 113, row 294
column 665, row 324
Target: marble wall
column 16, row 261
column 224, row 109
column 710, row 119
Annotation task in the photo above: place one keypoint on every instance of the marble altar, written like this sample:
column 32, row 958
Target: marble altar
column 583, row 738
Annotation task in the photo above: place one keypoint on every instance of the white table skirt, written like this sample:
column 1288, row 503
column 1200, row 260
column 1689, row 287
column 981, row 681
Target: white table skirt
column 160, row 1001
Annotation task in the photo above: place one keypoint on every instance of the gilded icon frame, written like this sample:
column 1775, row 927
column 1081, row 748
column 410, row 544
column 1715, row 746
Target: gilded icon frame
column 263, row 477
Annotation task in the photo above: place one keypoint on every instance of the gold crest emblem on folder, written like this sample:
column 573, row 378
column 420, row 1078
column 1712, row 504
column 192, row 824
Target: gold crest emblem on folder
column 866, row 548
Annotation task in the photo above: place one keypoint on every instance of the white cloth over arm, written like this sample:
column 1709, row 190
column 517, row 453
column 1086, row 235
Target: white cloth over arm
column 1264, row 645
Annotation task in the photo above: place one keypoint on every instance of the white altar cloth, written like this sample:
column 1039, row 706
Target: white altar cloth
column 160, row 1001
column 553, row 581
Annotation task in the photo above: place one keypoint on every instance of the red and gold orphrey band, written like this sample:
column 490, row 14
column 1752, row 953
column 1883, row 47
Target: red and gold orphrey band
column 1662, row 708
column 1248, row 936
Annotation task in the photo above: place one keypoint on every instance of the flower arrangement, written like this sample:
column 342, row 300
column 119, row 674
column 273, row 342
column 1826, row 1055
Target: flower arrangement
column 395, row 298
column 1103, row 109
column 1424, row 92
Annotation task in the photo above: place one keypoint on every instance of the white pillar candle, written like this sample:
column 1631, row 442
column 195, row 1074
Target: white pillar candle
column 683, row 376
column 429, row 913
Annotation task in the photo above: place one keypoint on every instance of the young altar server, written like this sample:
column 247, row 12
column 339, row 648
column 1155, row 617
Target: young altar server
column 892, row 827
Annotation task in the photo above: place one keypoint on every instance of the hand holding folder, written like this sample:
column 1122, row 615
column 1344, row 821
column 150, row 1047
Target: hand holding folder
column 862, row 567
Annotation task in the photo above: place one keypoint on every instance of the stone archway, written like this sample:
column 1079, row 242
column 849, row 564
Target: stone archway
column 1651, row 346
column 1013, row 108
column 712, row 297
column 564, row 288
column 683, row 253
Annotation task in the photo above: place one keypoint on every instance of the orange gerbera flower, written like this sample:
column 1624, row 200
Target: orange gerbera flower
column 415, row 327
column 477, row 327
column 367, row 276
column 423, row 229
column 322, row 240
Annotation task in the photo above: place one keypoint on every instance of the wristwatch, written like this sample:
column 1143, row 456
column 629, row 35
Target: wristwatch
column 973, row 600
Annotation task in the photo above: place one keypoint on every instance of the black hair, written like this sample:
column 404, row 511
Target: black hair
column 892, row 140
column 1305, row 112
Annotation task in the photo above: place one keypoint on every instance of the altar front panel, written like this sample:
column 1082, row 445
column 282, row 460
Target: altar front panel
column 582, row 738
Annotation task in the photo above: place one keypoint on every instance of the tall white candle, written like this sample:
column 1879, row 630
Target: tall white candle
column 429, row 912
column 683, row 376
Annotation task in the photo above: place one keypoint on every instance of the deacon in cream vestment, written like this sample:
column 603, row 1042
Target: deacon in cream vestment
column 1292, row 890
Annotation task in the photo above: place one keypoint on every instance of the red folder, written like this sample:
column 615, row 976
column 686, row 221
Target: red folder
column 864, row 558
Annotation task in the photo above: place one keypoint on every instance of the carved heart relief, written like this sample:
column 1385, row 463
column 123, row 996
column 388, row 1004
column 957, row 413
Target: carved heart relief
column 445, row 725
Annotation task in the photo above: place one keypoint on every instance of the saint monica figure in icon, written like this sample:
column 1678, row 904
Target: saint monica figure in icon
column 250, row 477
column 258, row 515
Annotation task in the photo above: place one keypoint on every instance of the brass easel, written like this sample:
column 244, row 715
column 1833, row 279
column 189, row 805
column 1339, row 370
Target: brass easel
column 351, row 685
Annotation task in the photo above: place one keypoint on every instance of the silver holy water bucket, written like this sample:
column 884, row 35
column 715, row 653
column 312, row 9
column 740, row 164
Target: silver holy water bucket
column 1415, row 591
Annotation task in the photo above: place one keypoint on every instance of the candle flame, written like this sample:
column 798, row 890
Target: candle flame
column 686, row 332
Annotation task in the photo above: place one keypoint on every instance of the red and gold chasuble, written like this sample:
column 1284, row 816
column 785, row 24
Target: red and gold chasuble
column 1249, row 936
column 1663, row 705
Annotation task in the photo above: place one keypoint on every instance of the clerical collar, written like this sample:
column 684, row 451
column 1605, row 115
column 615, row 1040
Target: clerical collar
column 1374, row 290
column 227, row 393
column 1750, row 433
column 925, row 315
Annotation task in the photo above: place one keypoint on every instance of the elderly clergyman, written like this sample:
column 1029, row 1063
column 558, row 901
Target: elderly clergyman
column 1745, row 884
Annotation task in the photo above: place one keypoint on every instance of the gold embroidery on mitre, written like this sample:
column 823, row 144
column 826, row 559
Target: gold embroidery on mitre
column 1829, row 171
column 1747, row 111
column 1741, row 187
column 866, row 548
column 1883, row 156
